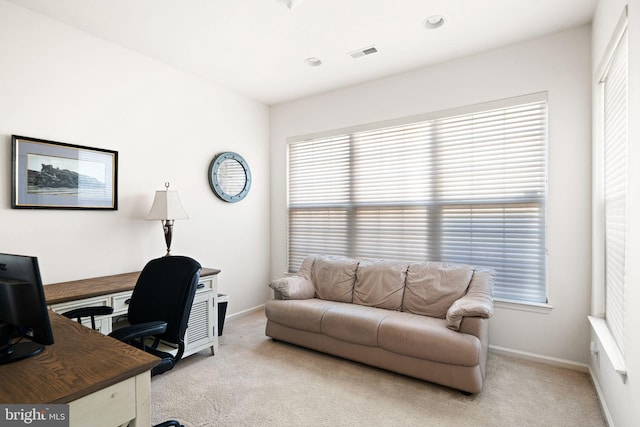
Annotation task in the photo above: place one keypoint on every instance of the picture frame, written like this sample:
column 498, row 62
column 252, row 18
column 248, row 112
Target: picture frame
column 55, row 175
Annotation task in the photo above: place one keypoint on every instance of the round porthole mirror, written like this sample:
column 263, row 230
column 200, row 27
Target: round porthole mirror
column 229, row 177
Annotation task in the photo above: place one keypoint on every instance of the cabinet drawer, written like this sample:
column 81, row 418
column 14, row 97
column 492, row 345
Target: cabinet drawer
column 103, row 323
column 120, row 302
column 115, row 404
column 205, row 284
column 87, row 302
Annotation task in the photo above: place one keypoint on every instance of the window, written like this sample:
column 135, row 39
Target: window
column 464, row 186
column 614, row 91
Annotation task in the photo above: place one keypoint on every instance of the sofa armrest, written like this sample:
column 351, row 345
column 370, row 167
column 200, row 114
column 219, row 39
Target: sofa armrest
column 473, row 326
column 293, row 287
column 477, row 302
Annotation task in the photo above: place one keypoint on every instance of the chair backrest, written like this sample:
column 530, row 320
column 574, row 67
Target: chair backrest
column 165, row 291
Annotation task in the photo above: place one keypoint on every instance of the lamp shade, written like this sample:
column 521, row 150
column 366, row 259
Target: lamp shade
column 167, row 205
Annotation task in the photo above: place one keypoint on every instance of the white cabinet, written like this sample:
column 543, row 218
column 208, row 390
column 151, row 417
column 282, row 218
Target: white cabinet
column 203, row 320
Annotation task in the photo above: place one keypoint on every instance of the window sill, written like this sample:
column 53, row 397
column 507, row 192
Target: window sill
column 523, row 306
column 610, row 347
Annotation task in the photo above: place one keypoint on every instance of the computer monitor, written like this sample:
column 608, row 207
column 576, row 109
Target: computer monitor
column 24, row 318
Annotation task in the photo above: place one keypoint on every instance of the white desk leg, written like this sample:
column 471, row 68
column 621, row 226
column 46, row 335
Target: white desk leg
column 143, row 401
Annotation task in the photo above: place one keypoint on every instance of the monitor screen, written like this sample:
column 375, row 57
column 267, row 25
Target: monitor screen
column 24, row 318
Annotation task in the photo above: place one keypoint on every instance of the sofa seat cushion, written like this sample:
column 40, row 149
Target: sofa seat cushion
column 303, row 314
column 428, row 338
column 380, row 284
column 354, row 323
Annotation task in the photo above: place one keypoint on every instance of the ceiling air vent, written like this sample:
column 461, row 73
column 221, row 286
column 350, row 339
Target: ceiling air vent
column 363, row 52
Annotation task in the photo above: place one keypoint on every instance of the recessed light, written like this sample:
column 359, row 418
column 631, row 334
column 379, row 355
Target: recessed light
column 433, row 22
column 313, row 62
column 290, row 4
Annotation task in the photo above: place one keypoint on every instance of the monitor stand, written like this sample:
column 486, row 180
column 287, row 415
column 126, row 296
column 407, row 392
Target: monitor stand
column 10, row 352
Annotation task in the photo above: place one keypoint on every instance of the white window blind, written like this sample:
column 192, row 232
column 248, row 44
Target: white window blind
column 465, row 186
column 614, row 85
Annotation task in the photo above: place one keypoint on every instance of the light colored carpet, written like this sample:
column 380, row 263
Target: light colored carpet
column 255, row 381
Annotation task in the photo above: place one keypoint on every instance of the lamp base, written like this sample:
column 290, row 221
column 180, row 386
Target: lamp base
column 167, row 226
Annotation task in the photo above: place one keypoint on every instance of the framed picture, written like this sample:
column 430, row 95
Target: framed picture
column 55, row 175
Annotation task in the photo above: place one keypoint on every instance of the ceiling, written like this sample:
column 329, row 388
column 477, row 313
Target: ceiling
column 258, row 47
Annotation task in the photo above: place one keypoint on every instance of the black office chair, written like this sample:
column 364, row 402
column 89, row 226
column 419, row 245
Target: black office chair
column 171, row 423
column 159, row 308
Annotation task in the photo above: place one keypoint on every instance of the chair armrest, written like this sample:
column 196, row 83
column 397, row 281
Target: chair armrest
column 293, row 287
column 99, row 310
column 141, row 330
column 477, row 302
column 91, row 312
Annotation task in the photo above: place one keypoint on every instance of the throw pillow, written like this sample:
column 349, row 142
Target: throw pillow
column 293, row 287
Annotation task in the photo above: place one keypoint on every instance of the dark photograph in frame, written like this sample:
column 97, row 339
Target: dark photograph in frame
column 55, row 175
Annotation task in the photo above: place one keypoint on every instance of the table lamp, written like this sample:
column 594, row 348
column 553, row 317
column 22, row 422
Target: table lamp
column 167, row 208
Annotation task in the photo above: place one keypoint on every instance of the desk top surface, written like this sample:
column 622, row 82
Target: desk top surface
column 81, row 361
column 97, row 286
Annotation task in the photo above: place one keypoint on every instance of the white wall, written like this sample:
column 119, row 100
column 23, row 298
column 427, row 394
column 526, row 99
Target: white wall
column 620, row 398
column 558, row 64
column 61, row 84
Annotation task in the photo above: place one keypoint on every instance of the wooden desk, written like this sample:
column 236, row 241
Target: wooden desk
column 97, row 286
column 104, row 381
column 115, row 291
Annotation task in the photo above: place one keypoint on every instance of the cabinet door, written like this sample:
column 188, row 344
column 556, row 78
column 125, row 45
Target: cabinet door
column 199, row 333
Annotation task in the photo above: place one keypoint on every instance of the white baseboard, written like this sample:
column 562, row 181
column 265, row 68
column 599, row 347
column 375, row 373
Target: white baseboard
column 554, row 361
column 562, row 363
column 245, row 312
column 603, row 402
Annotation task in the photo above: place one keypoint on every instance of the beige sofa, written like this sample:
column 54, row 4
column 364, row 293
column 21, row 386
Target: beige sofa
column 426, row 320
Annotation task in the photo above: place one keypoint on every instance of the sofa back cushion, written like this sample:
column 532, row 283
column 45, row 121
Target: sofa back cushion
column 432, row 287
column 380, row 284
column 334, row 278
column 307, row 266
